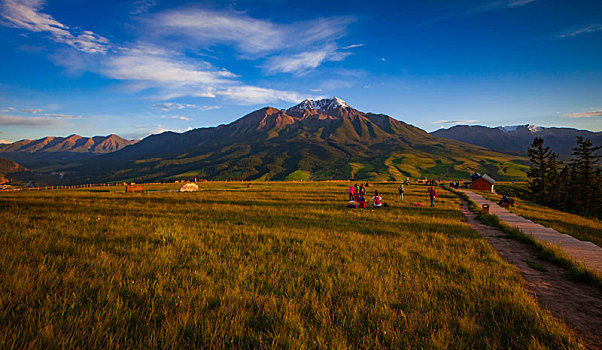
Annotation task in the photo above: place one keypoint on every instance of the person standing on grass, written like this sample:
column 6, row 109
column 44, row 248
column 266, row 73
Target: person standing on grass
column 400, row 190
column 432, row 195
column 362, row 190
column 357, row 188
column 377, row 202
column 351, row 192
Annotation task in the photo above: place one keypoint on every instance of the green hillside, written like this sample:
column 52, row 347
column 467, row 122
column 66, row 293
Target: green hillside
column 299, row 144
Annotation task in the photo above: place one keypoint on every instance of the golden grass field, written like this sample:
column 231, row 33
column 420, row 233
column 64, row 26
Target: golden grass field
column 277, row 265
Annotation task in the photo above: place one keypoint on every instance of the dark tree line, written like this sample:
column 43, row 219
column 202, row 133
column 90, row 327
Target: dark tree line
column 575, row 186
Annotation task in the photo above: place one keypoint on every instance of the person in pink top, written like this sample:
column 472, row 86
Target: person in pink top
column 351, row 193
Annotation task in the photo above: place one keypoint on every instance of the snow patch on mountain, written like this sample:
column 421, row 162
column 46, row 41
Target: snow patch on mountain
column 512, row 128
column 324, row 104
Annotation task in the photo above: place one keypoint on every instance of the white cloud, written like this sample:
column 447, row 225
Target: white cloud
column 304, row 61
column 582, row 30
column 249, row 35
column 3, row 142
column 32, row 122
column 443, row 121
column 352, row 46
column 170, row 106
column 31, row 111
column 157, row 66
column 158, row 60
column 590, row 114
column 25, row 14
column 7, row 109
column 248, row 95
column 516, row 3
column 62, row 116
column 186, row 119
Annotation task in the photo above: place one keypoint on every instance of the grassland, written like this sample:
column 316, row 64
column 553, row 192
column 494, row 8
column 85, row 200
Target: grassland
column 585, row 229
column 275, row 265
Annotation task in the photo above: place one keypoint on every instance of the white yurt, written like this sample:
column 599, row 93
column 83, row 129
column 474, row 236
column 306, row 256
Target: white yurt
column 189, row 188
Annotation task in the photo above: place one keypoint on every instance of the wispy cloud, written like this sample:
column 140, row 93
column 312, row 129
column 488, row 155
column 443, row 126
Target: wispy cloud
column 590, row 114
column 31, row 111
column 178, row 117
column 170, row 106
column 62, row 116
column 159, row 66
column 26, row 121
column 25, row 14
column 249, row 35
column 7, row 109
column 158, row 61
column 592, row 28
column 302, row 62
column 249, row 95
column 352, row 46
column 444, row 121
column 290, row 48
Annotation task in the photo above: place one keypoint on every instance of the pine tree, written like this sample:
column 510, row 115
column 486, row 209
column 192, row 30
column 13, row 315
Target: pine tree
column 538, row 173
column 585, row 158
column 555, row 185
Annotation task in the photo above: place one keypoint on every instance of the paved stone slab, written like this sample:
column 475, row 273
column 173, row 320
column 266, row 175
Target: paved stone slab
column 583, row 251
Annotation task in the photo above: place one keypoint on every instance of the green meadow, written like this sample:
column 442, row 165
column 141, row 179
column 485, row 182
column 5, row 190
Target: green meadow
column 276, row 265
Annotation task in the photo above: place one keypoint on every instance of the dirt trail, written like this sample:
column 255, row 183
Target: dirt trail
column 578, row 305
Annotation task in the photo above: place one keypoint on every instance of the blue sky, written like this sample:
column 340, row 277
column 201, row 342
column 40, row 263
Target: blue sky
column 141, row 67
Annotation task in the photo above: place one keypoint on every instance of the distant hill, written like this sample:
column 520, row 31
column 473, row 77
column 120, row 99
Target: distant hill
column 49, row 150
column 7, row 167
column 516, row 139
column 325, row 139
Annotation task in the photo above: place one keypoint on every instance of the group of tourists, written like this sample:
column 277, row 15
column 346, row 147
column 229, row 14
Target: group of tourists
column 357, row 197
column 454, row 184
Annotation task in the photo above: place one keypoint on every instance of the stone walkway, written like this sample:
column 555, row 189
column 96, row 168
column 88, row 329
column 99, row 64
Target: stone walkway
column 583, row 251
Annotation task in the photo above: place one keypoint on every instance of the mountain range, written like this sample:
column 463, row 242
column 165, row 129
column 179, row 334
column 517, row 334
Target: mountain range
column 518, row 138
column 49, row 150
column 323, row 139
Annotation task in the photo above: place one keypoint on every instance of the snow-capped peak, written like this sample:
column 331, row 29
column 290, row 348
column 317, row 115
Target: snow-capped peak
column 324, row 104
column 512, row 128
column 508, row 128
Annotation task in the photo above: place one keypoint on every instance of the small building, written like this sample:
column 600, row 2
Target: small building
column 475, row 176
column 483, row 183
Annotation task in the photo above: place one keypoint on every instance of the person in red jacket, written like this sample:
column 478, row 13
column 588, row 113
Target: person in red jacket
column 432, row 195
